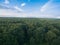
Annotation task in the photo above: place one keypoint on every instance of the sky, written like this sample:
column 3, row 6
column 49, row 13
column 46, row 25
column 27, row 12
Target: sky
column 30, row 8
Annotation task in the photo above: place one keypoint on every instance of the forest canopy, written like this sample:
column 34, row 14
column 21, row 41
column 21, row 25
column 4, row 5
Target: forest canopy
column 29, row 31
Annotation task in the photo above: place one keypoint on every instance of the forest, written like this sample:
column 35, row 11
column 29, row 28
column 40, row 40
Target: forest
column 29, row 31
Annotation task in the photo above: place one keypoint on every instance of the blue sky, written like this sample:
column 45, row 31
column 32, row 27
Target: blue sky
column 30, row 8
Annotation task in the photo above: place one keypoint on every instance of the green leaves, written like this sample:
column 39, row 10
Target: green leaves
column 16, row 31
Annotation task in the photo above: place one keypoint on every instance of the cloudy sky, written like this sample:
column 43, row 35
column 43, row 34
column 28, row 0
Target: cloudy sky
column 30, row 8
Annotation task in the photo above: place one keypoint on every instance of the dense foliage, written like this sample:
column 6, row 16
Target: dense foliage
column 29, row 31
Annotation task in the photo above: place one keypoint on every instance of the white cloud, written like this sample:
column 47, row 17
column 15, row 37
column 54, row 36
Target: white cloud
column 10, row 13
column 6, row 2
column 15, row 8
column 45, row 6
column 13, row 13
column 18, row 9
column 50, row 5
column 5, row 6
column 58, row 17
column 50, row 10
column 23, row 4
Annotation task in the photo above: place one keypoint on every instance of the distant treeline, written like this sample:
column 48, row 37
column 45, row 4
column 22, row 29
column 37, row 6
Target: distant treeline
column 29, row 31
